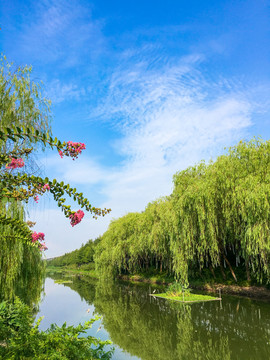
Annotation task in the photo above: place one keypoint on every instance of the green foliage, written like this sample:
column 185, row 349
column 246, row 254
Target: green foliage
column 217, row 217
column 22, row 104
column 21, row 265
column 177, row 289
column 21, row 339
column 22, row 186
column 82, row 256
column 24, row 126
column 137, row 242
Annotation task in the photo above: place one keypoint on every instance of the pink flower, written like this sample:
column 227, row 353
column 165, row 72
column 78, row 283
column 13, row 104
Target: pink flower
column 46, row 187
column 15, row 163
column 43, row 247
column 37, row 236
column 76, row 217
column 36, row 198
column 73, row 149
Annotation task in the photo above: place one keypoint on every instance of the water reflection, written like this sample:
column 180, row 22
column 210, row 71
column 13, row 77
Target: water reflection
column 156, row 329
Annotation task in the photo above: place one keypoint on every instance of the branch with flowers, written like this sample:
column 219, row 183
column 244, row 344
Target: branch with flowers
column 22, row 186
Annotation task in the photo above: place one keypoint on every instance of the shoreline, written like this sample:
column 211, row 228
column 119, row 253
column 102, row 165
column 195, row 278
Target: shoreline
column 254, row 292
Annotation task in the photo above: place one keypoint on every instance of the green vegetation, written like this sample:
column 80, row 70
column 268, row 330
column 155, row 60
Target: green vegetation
column 177, row 292
column 21, row 339
column 187, row 297
column 77, row 258
column 77, row 262
column 215, row 222
column 212, row 229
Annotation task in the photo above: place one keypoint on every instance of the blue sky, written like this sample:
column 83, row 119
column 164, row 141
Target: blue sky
column 151, row 87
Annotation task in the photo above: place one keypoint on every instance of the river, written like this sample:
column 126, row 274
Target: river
column 147, row 328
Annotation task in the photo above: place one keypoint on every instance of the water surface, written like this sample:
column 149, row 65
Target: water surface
column 147, row 328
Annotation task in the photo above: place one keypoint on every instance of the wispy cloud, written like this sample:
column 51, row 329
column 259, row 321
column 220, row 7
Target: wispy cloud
column 170, row 117
column 60, row 91
column 60, row 31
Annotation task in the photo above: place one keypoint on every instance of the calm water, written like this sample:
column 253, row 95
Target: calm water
column 146, row 328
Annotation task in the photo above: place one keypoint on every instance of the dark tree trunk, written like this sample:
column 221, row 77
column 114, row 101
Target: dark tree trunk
column 212, row 271
column 230, row 267
column 247, row 269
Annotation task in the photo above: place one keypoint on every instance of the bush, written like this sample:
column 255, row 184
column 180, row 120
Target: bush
column 176, row 289
column 21, row 339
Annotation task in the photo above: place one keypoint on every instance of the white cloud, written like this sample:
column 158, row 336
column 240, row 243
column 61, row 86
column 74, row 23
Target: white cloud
column 170, row 118
column 85, row 171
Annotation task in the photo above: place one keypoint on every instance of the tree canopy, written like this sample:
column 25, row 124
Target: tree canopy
column 217, row 217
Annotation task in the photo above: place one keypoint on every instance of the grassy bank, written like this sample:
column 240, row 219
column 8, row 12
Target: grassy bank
column 204, row 282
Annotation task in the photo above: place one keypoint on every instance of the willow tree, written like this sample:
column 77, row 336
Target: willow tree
column 158, row 215
column 216, row 218
column 223, row 213
column 113, row 253
column 22, row 102
column 247, row 208
column 138, row 242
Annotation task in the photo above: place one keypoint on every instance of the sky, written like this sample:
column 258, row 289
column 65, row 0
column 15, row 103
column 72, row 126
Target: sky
column 151, row 87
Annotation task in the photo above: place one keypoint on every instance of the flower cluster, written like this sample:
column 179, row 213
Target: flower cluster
column 46, row 187
column 37, row 238
column 72, row 149
column 15, row 163
column 76, row 217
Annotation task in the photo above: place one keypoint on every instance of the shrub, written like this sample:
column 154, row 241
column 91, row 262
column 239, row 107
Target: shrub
column 20, row 338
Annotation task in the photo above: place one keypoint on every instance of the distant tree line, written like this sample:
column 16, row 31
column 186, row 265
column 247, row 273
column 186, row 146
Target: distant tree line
column 78, row 257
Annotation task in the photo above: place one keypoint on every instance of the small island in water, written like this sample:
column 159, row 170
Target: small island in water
column 177, row 292
column 187, row 298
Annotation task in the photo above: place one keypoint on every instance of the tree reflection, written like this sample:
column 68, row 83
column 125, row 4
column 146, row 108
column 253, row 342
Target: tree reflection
column 153, row 328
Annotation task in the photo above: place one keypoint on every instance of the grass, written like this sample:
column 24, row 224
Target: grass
column 186, row 298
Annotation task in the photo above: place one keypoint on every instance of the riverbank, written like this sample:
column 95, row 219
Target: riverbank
column 256, row 292
column 244, row 289
column 71, row 270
